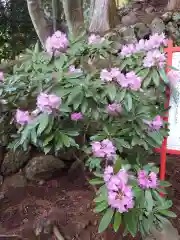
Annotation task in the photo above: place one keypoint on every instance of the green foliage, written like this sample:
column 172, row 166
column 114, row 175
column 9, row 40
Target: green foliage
column 85, row 92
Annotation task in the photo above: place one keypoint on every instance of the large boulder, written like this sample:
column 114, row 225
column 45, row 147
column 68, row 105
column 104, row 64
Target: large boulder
column 157, row 25
column 43, row 167
column 14, row 161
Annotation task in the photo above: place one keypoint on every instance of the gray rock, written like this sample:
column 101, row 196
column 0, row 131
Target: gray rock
column 172, row 30
column 15, row 181
column 142, row 30
column 14, row 161
column 176, row 17
column 43, row 167
column 129, row 19
column 166, row 17
column 128, row 35
column 149, row 10
column 157, row 26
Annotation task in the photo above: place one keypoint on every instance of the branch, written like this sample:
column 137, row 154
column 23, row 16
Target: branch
column 39, row 22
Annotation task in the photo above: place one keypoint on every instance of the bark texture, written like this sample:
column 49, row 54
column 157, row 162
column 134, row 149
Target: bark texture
column 103, row 15
column 39, row 22
column 73, row 10
column 173, row 4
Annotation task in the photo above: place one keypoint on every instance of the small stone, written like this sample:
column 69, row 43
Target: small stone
column 41, row 182
column 128, row 35
column 14, row 161
column 142, row 30
column 2, row 195
column 157, row 26
column 43, row 167
column 129, row 19
column 167, row 16
column 149, row 10
column 14, row 181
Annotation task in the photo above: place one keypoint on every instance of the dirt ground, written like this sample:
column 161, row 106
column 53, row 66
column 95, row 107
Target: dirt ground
column 66, row 202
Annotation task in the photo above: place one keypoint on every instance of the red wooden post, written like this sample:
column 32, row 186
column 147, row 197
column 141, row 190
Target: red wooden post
column 164, row 150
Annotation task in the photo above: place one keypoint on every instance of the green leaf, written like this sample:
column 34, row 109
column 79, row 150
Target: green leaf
column 163, row 75
column 156, row 136
column 43, row 123
column 128, row 102
column 101, row 207
column 117, row 221
column 147, row 81
column 165, row 184
column 106, row 220
column 111, row 90
column 143, row 73
column 168, row 213
column 117, row 165
column 48, row 139
column 96, row 181
column 100, row 198
column 65, row 139
column 149, row 200
column 120, row 95
column 131, row 220
column 155, row 77
column 122, row 143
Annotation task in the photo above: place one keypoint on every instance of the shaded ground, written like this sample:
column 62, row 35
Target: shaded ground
column 65, row 202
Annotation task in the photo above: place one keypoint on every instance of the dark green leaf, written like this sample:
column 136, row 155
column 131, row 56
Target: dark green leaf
column 163, row 75
column 117, row 221
column 106, row 220
column 43, row 123
column 117, row 165
column 155, row 77
column 101, row 207
column 96, row 181
column 149, row 200
column 168, row 213
column 111, row 90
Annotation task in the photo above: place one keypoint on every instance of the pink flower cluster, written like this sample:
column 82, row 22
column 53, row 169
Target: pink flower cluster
column 57, row 43
column 155, row 41
column 173, row 76
column 146, row 180
column 22, row 117
column 155, row 124
column 120, row 194
column 104, row 149
column 154, row 58
column 72, row 69
column 45, row 103
column 1, row 76
column 76, row 116
column 95, row 39
column 114, row 109
column 48, row 102
column 130, row 80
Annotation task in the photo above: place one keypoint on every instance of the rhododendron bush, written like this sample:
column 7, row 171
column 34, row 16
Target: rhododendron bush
column 108, row 105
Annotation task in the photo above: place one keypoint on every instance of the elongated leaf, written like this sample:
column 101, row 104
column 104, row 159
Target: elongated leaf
column 111, row 90
column 128, row 102
column 117, row 165
column 155, row 77
column 106, row 220
column 43, row 123
column 117, row 221
column 163, row 75
column 101, row 207
column 149, row 200
column 96, row 181
column 100, row 198
column 168, row 213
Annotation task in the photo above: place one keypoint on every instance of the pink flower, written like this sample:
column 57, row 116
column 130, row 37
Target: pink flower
column 48, row 102
column 133, row 81
column 22, row 117
column 154, row 58
column 140, row 46
column 146, row 180
column 76, row 116
column 115, row 72
column 57, row 43
column 121, row 199
column 1, row 76
column 108, row 172
column 72, row 69
column 155, row 41
column 104, row 149
column 173, row 76
column 114, row 109
column 95, row 39
column 128, row 50
column 106, row 75
column 155, row 124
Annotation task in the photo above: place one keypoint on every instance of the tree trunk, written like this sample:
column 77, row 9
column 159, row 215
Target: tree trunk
column 73, row 10
column 39, row 22
column 173, row 4
column 103, row 15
